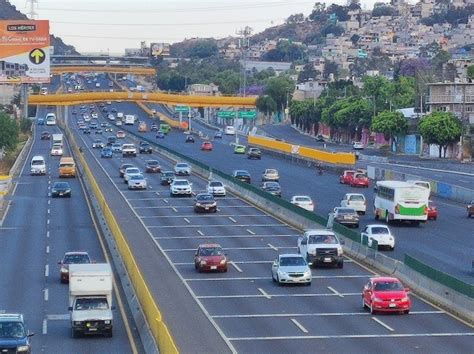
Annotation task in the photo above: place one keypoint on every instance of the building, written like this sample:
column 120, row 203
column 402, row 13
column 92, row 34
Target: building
column 309, row 89
column 203, row 90
column 279, row 67
column 455, row 97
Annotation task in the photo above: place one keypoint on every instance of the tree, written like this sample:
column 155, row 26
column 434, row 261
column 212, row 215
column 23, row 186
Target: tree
column 296, row 18
column 440, row 128
column 266, row 104
column 385, row 10
column 279, row 89
column 309, row 72
column 380, row 91
column 8, row 133
column 319, row 13
column 390, row 124
column 470, row 72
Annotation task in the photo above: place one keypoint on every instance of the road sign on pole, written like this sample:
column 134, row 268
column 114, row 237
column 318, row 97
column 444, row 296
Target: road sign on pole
column 25, row 51
column 248, row 114
column 226, row 114
column 181, row 109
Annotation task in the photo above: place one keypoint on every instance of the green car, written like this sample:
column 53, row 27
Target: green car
column 165, row 128
column 239, row 149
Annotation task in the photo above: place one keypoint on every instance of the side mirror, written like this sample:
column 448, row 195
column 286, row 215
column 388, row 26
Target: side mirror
column 69, row 308
column 407, row 290
column 275, row 263
column 30, row 334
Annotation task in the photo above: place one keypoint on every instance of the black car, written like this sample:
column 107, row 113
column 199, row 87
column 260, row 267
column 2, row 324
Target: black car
column 254, row 153
column 242, row 175
column 272, row 188
column 61, row 189
column 45, row 135
column 154, row 128
column 86, row 131
column 166, row 178
column 189, row 139
column 111, row 140
column 152, row 166
column 145, row 148
column 205, row 203
column 320, row 138
column 14, row 338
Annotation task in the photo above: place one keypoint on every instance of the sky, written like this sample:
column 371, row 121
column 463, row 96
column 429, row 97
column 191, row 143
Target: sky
column 110, row 26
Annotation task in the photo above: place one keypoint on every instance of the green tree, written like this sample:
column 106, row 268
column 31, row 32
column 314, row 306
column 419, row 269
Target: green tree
column 440, row 128
column 267, row 105
column 8, row 133
column 379, row 90
column 228, row 82
column 355, row 114
column 279, row 89
column 405, row 92
column 470, row 72
column 390, row 124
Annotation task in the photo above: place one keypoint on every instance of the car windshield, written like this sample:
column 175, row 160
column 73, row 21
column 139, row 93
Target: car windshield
column 182, row 165
column 168, row 174
column 91, row 303
column 76, row 259
column 292, row 261
column 61, row 185
column 380, row 230
column 302, row 199
column 204, row 197
column 180, row 183
column 272, row 185
column 271, row 172
column 11, row 330
column 125, row 166
column 57, row 146
column 357, row 198
column 388, row 286
column 360, row 175
column 152, row 163
column 215, row 184
column 241, row 173
column 137, row 177
column 117, row 145
column 318, row 239
column 37, row 162
column 345, row 211
column 210, row 251
column 132, row 170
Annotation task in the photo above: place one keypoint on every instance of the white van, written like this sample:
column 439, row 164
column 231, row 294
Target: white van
column 38, row 165
column 229, row 130
column 50, row 119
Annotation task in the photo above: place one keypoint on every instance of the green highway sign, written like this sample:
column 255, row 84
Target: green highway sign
column 226, row 114
column 181, row 108
column 248, row 114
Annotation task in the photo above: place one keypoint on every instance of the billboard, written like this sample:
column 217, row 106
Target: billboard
column 24, row 51
column 159, row 49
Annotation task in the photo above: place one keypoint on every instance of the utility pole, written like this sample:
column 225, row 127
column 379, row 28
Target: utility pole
column 32, row 13
column 244, row 43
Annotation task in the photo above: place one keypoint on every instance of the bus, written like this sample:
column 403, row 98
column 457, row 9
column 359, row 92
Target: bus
column 401, row 201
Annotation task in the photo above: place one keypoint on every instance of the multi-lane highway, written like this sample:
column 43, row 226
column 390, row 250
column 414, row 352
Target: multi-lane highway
column 242, row 309
column 34, row 235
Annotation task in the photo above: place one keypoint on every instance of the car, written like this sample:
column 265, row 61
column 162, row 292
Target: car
column 123, row 167
column 166, row 178
column 145, row 148
column 273, row 188
column 242, row 175
column 71, row 258
column 129, row 150
column 291, row 269
column 154, row 127
column 40, row 121
column 346, row 216
column 142, row 127
column 432, row 211
column 321, row 247
column 45, row 135
column 380, row 233
column 359, row 180
column 218, row 135
column 104, row 125
column 86, row 131
column 210, row 257
column 106, row 152
column 239, row 149
column 216, row 188
column 111, row 117
column 182, row 169
column 93, row 125
column 357, row 145
column 87, row 118
column 229, row 130
column 14, row 338
column 470, row 209
column 129, row 172
column 206, row 146
column 111, row 140
column 99, row 131
column 181, row 187
column 116, row 147
column 270, row 174
column 137, row 181
column 320, row 138
column 82, row 126
column 98, row 144
column 152, row 166
column 355, row 201
column 189, row 139
column 38, row 165
column 205, row 203
column 303, row 201
column 57, row 150
column 254, row 153
column 61, row 189
column 120, row 134
column 346, row 176
column 118, row 123
column 386, row 294
column 160, row 135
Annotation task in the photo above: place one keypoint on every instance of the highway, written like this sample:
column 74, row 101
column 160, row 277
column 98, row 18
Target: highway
column 243, row 307
column 34, row 235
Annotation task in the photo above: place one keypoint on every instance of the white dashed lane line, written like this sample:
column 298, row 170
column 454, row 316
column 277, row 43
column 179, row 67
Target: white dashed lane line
column 45, row 326
column 236, row 267
column 335, row 291
column 173, row 208
column 223, row 236
column 250, row 232
column 383, row 324
column 187, row 220
column 46, row 270
column 299, row 325
column 328, row 314
column 273, row 247
column 270, row 278
column 225, row 248
column 232, row 219
column 199, row 232
column 47, row 234
column 264, row 293
column 47, row 249
column 46, row 294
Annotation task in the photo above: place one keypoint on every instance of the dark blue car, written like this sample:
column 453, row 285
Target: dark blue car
column 106, row 152
column 14, row 338
column 40, row 121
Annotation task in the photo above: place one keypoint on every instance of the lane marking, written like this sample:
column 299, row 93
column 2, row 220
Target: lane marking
column 225, row 225
column 62, row 317
column 200, row 232
column 269, row 278
column 264, row 293
column 358, row 336
column 47, row 234
column 49, row 211
column 335, row 291
column 223, row 236
column 48, row 221
column 46, row 294
column 190, row 206
column 383, row 324
column 49, row 201
column 273, row 247
column 165, row 201
column 232, row 219
column 227, row 248
column 236, row 262
column 46, row 270
column 236, row 267
column 329, row 314
column 218, row 209
column 45, row 326
column 187, row 220
column 196, row 216
column 299, row 325
column 47, row 249
column 272, row 295
column 174, row 209
column 251, row 232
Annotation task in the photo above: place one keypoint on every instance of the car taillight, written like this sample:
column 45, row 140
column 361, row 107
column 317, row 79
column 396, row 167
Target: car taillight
column 397, row 209
column 426, row 210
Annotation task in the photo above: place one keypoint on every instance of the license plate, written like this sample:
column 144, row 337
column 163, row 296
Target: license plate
column 392, row 305
column 60, row 193
column 327, row 259
column 92, row 329
column 207, row 208
column 213, row 267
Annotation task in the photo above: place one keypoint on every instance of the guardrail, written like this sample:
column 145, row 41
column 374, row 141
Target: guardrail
column 151, row 311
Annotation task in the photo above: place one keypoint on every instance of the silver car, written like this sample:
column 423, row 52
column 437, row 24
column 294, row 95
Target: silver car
column 137, row 182
column 270, row 174
column 129, row 172
column 291, row 269
column 182, row 169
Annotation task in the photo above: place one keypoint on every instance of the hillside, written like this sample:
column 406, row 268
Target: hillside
column 9, row 12
column 296, row 32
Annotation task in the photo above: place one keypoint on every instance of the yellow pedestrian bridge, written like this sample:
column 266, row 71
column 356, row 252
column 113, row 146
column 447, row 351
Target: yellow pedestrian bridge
column 113, row 69
column 165, row 98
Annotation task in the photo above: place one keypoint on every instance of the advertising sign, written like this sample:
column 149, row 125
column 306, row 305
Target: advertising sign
column 159, row 49
column 24, row 51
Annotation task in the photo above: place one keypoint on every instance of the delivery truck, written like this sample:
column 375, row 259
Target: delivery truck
column 57, row 139
column 90, row 299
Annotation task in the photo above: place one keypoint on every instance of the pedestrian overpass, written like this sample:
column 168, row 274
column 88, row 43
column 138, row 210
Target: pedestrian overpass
column 112, row 69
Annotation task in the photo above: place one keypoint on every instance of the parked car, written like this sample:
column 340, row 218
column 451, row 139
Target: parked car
column 379, row 233
column 321, row 247
column 470, row 209
column 359, row 180
column 432, row 211
column 182, row 169
column 273, row 188
column 355, row 201
column 216, row 188
column 386, row 294
column 346, row 216
column 346, row 176
column 71, row 258
column 166, row 178
column 357, row 145
column 206, row 146
column 210, row 257
column 303, row 201
column 239, row 149
column 205, row 203
column 152, row 166
column 291, row 269
column 270, row 174
column 242, row 175
column 254, row 153
column 61, row 189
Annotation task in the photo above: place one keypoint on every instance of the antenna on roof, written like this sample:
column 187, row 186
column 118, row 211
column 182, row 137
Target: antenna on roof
column 32, row 14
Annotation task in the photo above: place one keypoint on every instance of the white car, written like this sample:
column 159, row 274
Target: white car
column 87, row 118
column 137, row 182
column 57, row 150
column 229, row 130
column 357, row 145
column 95, row 115
column 129, row 172
column 129, row 150
column 97, row 144
column 355, row 201
column 291, row 268
column 119, row 122
column 303, row 201
column 182, row 169
column 116, row 147
column 181, row 187
column 270, row 174
column 38, row 165
column 216, row 188
column 110, row 116
column 379, row 233
column 320, row 246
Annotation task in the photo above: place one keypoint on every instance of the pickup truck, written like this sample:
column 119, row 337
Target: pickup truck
column 129, row 150
column 321, row 247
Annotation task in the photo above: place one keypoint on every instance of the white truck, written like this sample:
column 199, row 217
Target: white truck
column 129, row 119
column 57, row 139
column 90, row 299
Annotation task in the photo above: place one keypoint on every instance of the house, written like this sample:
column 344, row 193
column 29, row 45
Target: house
column 203, row 90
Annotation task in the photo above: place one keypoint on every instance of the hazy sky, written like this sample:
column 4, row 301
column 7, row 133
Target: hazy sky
column 112, row 25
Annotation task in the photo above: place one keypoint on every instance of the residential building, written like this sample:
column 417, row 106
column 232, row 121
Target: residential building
column 203, row 90
column 279, row 67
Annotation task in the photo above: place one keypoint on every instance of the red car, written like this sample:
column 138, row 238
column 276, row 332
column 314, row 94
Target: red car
column 385, row 294
column 359, row 180
column 206, row 146
column 210, row 257
column 432, row 211
column 71, row 258
column 120, row 134
column 346, row 176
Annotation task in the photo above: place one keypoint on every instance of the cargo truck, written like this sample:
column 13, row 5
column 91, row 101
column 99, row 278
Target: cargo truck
column 90, row 299
column 57, row 139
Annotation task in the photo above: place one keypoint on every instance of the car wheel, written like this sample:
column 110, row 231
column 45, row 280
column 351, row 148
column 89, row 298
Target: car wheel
column 278, row 281
column 273, row 278
column 340, row 264
column 406, row 312
column 74, row 334
column 364, row 306
column 387, row 219
column 109, row 333
column 392, row 248
column 308, row 283
column 372, row 310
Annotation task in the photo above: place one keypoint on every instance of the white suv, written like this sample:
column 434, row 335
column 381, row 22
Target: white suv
column 38, row 165
column 355, row 201
column 321, row 247
column 182, row 169
column 181, row 187
column 270, row 174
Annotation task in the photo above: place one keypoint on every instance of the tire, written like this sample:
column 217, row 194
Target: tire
column 406, row 312
column 74, row 334
column 391, row 248
column 387, row 219
column 308, row 283
column 340, row 264
column 273, row 278
column 278, row 281
column 364, row 306
column 372, row 310
column 109, row 333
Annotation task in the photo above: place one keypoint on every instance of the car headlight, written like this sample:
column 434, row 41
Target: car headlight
column 405, row 299
column 107, row 321
column 23, row 348
column 223, row 261
column 376, row 299
column 203, row 262
column 64, row 270
column 198, row 204
column 307, row 273
column 339, row 251
column 281, row 272
column 213, row 204
column 77, row 323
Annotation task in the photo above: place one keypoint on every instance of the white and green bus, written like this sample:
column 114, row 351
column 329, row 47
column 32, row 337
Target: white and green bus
column 401, row 201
